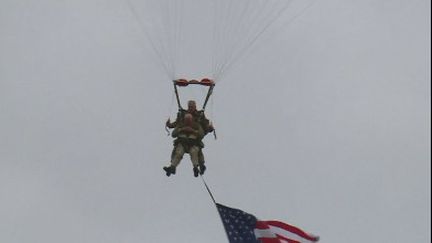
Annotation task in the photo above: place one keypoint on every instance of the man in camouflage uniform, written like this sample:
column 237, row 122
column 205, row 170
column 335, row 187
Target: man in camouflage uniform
column 198, row 117
column 188, row 140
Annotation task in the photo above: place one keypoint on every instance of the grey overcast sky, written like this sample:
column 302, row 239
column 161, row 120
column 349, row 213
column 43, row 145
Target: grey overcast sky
column 324, row 125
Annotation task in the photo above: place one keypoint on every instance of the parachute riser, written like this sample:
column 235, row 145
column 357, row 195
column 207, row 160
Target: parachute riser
column 209, row 93
column 177, row 96
column 183, row 83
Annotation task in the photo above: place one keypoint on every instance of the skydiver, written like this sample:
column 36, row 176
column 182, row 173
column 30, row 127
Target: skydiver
column 188, row 140
column 199, row 117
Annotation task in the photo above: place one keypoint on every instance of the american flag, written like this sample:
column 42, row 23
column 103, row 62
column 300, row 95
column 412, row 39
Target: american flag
column 242, row 227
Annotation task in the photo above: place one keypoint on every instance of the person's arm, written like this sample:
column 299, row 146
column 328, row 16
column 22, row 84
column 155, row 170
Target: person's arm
column 195, row 130
column 207, row 126
column 205, row 123
column 177, row 122
column 200, row 132
column 210, row 127
column 170, row 124
column 176, row 131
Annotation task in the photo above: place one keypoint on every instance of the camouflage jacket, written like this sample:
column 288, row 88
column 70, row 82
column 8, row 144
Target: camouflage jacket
column 198, row 116
column 189, row 135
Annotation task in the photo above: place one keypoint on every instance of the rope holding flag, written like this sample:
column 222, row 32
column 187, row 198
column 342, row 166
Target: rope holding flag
column 208, row 190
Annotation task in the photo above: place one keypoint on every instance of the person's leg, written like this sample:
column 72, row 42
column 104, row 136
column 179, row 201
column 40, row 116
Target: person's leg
column 176, row 157
column 193, row 152
column 201, row 162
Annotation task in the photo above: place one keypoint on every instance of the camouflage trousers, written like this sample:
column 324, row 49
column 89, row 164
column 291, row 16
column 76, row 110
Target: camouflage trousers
column 194, row 152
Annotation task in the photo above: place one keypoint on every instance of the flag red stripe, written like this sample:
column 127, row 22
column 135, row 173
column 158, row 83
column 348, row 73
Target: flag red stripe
column 269, row 240
column 287, row 227
column 277, row 240
column 286, row 239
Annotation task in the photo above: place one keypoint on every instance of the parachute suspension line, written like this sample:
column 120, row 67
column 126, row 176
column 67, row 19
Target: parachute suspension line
column 148, row 36
column 166, row 40
column 229, row 33
column 250, row 17
column 220, row 21
column 214, row 37
column 172, row 31
column 290, row 20
column 225, row 27
column 266, row 18
column 172, row 22
column 225, row 13
column 234, row 57
column 242, row 25
column 160, row 52
column 230, row 36
column 178, row 23
column 165, row 22
column 162, row 38
column 253, row 39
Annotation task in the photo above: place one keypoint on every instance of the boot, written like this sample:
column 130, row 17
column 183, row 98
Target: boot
column 195, row 171
column 202, row 168
column 169, row 170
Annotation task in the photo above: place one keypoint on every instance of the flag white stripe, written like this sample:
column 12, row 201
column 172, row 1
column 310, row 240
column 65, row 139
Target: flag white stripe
column 271, row 233
column 264, row 233
column 288, row 234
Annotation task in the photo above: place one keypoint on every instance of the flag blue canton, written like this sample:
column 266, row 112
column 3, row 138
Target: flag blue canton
column 238, row 224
